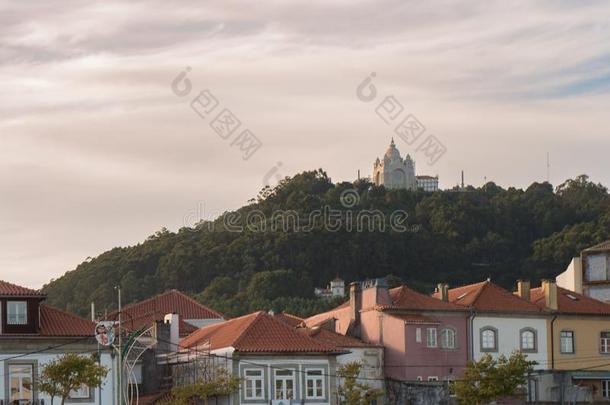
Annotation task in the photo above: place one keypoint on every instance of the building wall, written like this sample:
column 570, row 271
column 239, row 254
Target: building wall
column 571, row 279
column 406, row 359
column 586, row 340
column 270, row 363
column 508, row 329
column 10, row 354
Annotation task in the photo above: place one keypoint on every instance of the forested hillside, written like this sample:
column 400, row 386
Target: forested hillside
column 457, row 236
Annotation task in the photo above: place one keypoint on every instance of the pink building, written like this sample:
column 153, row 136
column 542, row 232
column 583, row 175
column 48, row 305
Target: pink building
column 424, row 338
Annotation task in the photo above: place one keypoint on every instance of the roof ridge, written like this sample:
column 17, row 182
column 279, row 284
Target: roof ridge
column 242, row 334
column 31, row 290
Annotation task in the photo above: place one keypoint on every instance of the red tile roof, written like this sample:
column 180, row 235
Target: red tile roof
column 320, row 332
column 55, row 322
column 153, row 309
column 569, row 302
column 11, row 290
column 258, row 332
column 289, row 319
column 406, row 298
column 487, row 296
column 332, row 338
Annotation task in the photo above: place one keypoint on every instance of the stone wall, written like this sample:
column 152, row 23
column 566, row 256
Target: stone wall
column 417, row 393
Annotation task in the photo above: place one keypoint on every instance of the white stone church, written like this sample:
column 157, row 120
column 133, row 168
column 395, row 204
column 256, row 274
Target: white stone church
column 395, row 172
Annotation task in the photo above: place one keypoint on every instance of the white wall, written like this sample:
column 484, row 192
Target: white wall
column 41, row 359
column 509, row 337
column 571, row 279
column 372, row 359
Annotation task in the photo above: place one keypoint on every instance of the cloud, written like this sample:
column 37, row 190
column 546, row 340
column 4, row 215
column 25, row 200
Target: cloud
column 97, row 151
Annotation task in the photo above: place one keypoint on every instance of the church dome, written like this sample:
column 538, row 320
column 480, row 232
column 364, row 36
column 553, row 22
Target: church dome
column 392, row 153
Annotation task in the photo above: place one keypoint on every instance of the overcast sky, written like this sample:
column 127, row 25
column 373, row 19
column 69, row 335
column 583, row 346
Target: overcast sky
column 97, row 151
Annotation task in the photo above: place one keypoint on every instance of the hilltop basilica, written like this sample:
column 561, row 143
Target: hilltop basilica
column 395, row 172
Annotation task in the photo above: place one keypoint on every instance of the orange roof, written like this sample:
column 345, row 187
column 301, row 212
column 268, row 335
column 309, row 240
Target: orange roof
column 12, row 290
column 332, row 338
column 415, row 319
column 153, row 309
column 406, row 298
column 569, row 302
column 487, row 296
column 55, row 322
column 258, row 332
column 289, row 319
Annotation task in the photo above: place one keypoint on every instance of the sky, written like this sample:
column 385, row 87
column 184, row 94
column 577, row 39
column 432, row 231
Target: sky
column 102, row 142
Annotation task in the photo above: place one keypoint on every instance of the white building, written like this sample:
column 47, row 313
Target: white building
column 394, row 172
column 502, row 322
column 589, row 274
column 427, row 183
column 335, row 289
column 33, row 334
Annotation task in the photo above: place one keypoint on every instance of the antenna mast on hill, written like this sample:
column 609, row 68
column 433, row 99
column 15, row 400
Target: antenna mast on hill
column 548, row 167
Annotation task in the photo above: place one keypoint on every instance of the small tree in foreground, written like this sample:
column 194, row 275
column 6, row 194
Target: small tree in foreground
column 68, row 373
column 489, row 379
column 223, row 384
column 350, row 390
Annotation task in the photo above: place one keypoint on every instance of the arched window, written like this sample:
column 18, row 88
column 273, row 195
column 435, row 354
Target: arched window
column 528, row 340
column 448, row 339
column 489, row 339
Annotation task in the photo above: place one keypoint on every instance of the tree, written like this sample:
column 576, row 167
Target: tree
column 68, row 373
column 489, row 379
column 350, row 390
column 222, row 384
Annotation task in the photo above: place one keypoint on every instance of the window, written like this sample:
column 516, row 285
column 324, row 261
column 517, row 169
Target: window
column 431, row 337
column 606, row 388
column 566, row 339
column 254, row 382
column 418, row 335
column 604, row 342
column 448, row 340
column 432, row 378
column 528, row 340
column 420, row 378
column 489, row 339
column 314, row 384
column 284, row 384
column 21, row 384
column 81, row 393
column 17, row 313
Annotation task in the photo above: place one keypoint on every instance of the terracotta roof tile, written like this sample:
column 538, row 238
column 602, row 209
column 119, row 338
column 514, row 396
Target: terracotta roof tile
column 332, row 338
column 153, row 309
column 258, row 332
column 289, row 319
column 55, row 322
column 569, row 302
column 12, row 290
column 406, row 298
column 487, row 296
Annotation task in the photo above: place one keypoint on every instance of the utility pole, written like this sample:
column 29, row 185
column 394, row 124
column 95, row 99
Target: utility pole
column 120, row 357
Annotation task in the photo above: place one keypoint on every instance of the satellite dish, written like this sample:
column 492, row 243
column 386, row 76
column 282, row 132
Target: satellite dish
column 104, row 333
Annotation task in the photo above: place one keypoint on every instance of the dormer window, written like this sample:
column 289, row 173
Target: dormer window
column 17, row 313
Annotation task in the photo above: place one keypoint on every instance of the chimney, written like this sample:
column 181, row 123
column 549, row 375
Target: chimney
column 523, row 289
column 174, row 330
column 354, row 301
column 549, row 288
column 443, row 291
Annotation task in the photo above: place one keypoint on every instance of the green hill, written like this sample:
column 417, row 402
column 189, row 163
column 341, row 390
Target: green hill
column 458, row 236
